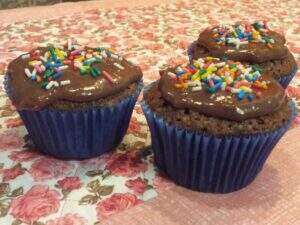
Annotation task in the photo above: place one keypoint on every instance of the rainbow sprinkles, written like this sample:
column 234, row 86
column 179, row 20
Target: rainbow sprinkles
column 47, row 69
column 214, row 75
column 241, row 34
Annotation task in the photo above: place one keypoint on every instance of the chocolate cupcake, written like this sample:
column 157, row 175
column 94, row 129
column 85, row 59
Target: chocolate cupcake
column 76, row 102
column 253, row 43
column 213, row 123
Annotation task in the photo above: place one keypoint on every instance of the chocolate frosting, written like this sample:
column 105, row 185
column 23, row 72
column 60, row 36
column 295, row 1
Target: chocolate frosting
column 254, row 52
column 28, row 95
column 222, row 104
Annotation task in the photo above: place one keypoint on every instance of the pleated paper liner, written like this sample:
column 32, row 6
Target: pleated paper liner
column 207, row 163
column 79, row 134
column 284, row 80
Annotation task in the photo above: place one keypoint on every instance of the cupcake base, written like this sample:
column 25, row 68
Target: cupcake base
column 208, row 163
column 285, row 80
column 80, row 134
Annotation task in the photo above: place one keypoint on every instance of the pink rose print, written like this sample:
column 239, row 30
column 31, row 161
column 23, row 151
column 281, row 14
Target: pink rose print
column 154, row 46
column 149, row 36
column 12, row 173
column 13, row 122
column 49, row 168
column 138, row 109
column 38, row 202
column 24, row 155
column 127, row 164
column 138, row 185
column 293, row 92
column 175, row 61
column 134, row 126
column 110, row 39
column 68, row 219
column 116, row 203
column 160, row 182
column 10, row 140
column 95, row 163
column 69, row 183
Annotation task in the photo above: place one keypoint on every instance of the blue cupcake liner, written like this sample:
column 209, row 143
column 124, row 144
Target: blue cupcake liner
column 208, row 163
column 284, row 80
column 79, row 134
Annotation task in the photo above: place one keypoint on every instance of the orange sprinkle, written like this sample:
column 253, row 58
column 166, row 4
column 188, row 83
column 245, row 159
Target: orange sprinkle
column 38, row 78
column 269, row 45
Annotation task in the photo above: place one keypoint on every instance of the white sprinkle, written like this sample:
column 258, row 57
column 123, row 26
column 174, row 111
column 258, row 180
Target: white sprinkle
column 43, row 68
column 172, row 75
column 119, row 66
column 26, row 56
column 65, row 82
column 104, row 54
column 27, row 72
column 238, row 110
column 272, row 41
column 78, row 64
column 244, row 42
column 220, row 64
column 69, row 44
column 120, row 58
column 234, row 90
column 114, row 56
column 63, row 67
column 198, row 88
column 44, row 59
column 52, row 84
column 194, row 83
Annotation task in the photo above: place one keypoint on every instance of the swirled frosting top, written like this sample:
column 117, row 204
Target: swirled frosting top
column 244, row 42
column 221, row 88
column 73, row 73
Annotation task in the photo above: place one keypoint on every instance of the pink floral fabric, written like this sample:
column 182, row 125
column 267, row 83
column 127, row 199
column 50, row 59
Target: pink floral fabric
column 37, row 189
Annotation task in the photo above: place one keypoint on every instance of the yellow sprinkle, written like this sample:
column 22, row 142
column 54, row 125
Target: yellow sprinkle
column 233, row 70
column 33, row 62
column 246, row 89
column 196, row 76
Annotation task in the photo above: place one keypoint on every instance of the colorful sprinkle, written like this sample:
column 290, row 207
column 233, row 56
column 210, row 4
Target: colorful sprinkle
column 214, row 74
column 48, row 68
column 242, row 34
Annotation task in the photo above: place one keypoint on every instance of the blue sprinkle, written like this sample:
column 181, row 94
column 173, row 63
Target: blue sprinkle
column 180, row 73
column 51, row 65
column 250, row 97
column 218, row 86
column 241, row 95
column 57, row 75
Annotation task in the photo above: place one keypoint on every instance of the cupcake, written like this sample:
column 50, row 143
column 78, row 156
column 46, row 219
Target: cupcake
column 252, row 43
column 76, row 102
column 214, row 123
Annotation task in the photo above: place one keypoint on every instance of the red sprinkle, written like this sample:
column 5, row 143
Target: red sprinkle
column 107, row 76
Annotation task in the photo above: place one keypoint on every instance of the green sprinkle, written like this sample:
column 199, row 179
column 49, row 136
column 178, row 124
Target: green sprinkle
column 48, row 73
column 44, row 84
column 202, row 71
column 95, row 72
column 231, row 66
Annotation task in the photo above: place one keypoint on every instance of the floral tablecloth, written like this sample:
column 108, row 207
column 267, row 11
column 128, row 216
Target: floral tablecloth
column 37, row 189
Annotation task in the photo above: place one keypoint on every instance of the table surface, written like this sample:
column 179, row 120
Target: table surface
column 36, row 189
